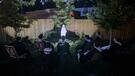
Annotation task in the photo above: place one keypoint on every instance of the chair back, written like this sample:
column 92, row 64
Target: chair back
column 11, row 51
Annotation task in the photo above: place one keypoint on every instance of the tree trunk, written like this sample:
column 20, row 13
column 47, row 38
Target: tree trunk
column 110, row 36
column 17, row 31
column 55, row 27
column 3, row 34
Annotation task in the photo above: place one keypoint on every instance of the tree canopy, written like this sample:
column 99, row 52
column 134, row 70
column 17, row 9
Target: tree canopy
column 10, row 15
column 113, row 13
column 63, row 10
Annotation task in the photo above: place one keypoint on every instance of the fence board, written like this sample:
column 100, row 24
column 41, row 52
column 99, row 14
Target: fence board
column 78, row 26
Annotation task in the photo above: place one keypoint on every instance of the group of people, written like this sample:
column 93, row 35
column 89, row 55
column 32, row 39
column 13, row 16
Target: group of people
column 84, row 51
column 21, row 46
column 46, row 48
column 51, row 58
column 84, row 54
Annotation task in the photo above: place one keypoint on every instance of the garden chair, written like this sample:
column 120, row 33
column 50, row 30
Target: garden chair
column 12, row 52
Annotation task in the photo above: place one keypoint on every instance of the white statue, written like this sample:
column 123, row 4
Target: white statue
column 63, row 31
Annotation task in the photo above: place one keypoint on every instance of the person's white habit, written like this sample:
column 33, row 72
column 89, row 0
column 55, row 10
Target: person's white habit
column 117, row 42
column 102, row 48
column 47, row 50
column 107, row 47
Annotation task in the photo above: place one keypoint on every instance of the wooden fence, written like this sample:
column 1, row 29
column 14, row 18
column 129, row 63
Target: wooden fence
column 78, row 26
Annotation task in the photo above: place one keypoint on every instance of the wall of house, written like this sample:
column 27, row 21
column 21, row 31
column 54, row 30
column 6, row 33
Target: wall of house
column 78, row 26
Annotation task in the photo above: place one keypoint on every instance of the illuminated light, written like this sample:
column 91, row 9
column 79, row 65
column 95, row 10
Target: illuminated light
column 1, row 1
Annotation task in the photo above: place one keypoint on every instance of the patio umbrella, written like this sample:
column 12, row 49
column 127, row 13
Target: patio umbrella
column 63, row 31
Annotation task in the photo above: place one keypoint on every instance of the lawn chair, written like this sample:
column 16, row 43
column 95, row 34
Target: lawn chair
column 12, row 52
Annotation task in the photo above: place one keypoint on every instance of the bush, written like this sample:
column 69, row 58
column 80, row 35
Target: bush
column 54, row 36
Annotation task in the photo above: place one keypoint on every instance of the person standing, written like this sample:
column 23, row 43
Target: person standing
column 49, row 58
column 40, row 42
column 63, row 49
column 63, row 57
